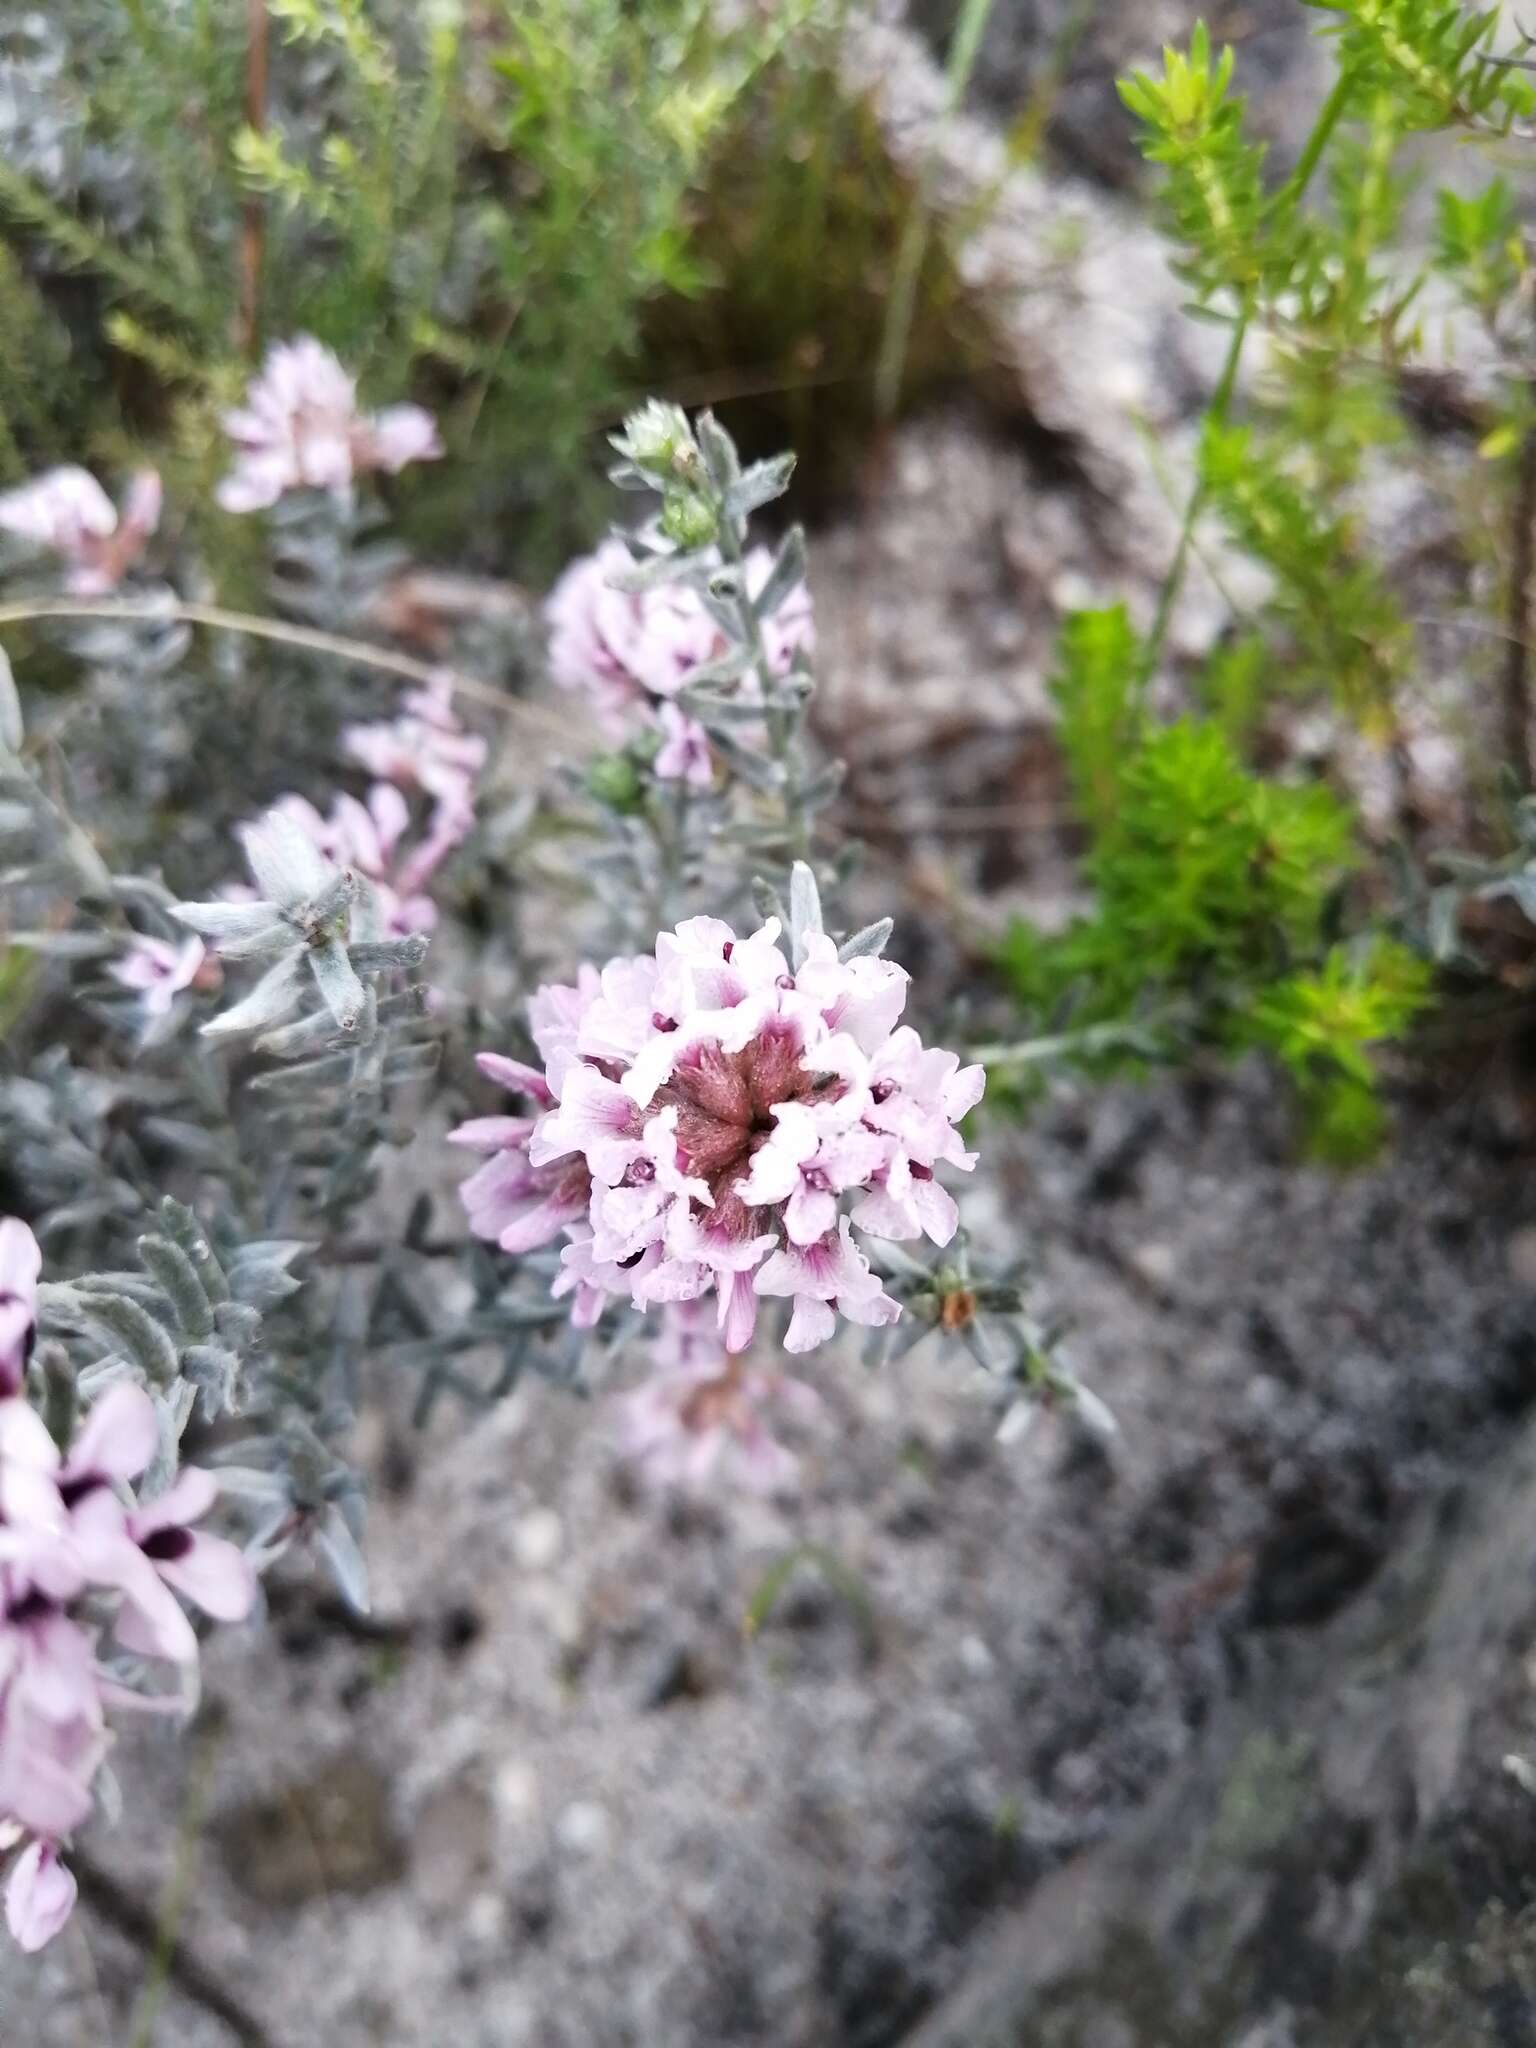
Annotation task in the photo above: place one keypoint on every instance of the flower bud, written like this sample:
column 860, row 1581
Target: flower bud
column 688, row 519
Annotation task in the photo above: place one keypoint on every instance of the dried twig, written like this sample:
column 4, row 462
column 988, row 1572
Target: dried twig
column 113, row 1903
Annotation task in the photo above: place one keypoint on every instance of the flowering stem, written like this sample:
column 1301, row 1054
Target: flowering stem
column 781, row 724
column 1088, row 1043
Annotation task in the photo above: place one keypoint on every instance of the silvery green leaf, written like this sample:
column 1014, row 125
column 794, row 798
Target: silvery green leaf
column 786, row 575
column 137, row 1286
column 238, row 1324
column 752, row 767
column 137, row 1333
column 305, row 1034
column 303, row 1075
column 872, row 940
column 179, row 1222
column 413, row 1063
column 804, row 912
column 248, row 1482
column 65, row 945
column 329, row 908
column 142, row 891
column 215, row 1372
column 1096, row 1415
column 404, row 1003
column 766, row 900
column 759, row 485
column 264, row 1286
column 179, row 1281
column 16, row 820
column 1444, row 919
column 977, row 1341
column 407, row 952
column 338, row 986
column 12, row 730
column 1461, row 867
column 711, row 710
column 1520, row 888
column 911, row 1331
column 657, row 570
column 240, row 931
column 338, row 1546
column 271, row 999
column 1018, row 1420
column 729, row 668
column 719, row 452
column 824, row 785
column 173, row 1411
column 724, row 607
column 269, row 1251
column 289, row 868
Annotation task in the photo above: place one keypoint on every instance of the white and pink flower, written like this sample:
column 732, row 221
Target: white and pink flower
column 369, row 838
column 703, row 1419
column 157, row 970
column 67, row 513
column 630, row 653
column 80, row 1560
column 20, row 1265
column 709, row 1122
column 301, row 429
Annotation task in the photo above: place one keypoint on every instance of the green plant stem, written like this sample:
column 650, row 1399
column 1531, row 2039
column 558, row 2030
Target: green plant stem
column 780, row 724
column 1289, row 195
column 914, row 235
column 174, row 1901
column 1088, row 1043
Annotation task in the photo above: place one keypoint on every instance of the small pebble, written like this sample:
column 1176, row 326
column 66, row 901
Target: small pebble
column 583, row 1828
column 538, row 1539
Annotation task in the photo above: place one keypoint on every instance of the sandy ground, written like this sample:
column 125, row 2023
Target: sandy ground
column 557, row 1797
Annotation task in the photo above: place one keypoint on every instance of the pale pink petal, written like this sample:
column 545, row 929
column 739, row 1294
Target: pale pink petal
column 39, row 1897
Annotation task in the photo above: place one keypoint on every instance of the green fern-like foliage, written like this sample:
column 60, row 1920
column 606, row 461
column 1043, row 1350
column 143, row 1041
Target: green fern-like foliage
column 1214, row 899
column 469, row 206
column 1213, row 197
column 1331, row 601
column 1320, row 1022
column 1440, row 63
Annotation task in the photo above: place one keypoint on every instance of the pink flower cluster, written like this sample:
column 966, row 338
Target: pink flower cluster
column 707, row 1120
column 424, row 753
column 75, row 1548
column 68, row 513
column 300, row 429
column 630, row 653
column 702, row 1418
column 157, row 970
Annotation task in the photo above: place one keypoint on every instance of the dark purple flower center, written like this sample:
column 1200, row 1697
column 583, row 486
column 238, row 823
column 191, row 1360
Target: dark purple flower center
column 73, row 1491
column 165, row 1546
column 32, row 1606
column 725, row 1104
column 29, row 1334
